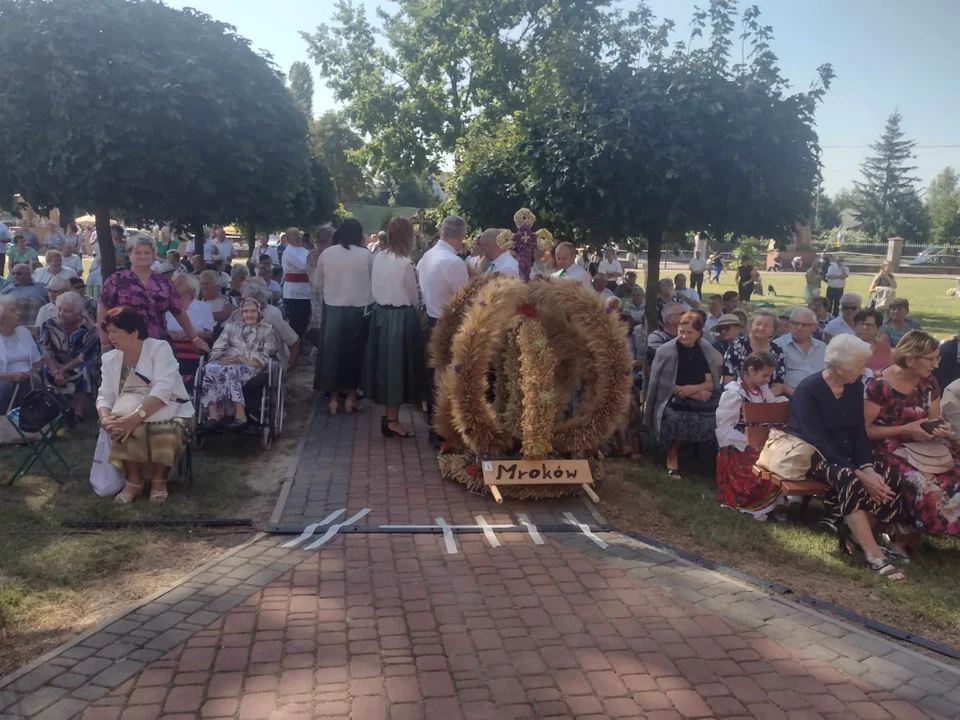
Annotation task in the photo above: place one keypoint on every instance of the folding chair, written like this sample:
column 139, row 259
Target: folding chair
column 37, row 444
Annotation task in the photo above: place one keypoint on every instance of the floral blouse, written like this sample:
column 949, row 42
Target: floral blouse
column 152, row 301
column 737, row 352
column 899, row 409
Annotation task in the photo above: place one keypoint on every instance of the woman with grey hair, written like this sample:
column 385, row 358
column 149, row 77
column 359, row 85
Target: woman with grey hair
column 149, row 293
column 760, row 333
column 827, row 412
column 201, row 316
column 70, row 347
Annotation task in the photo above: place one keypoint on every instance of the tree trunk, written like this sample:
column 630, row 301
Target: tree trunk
column 251, row 237
column 197, row 227
column 654, row 243
column 108, row 257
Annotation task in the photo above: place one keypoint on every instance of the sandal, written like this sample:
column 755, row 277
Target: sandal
column 159, row 495
column 885, row 570
column 333, row 405
column 348, row 405
column 125, row 498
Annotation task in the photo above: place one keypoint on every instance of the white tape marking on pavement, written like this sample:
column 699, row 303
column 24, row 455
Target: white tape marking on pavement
column 487, row 531
column 585, row 529
column 312, row 528
column 448, row 536
column 532, row 529
column 334, row 529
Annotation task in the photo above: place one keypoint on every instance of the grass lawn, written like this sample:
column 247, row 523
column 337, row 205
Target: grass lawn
column 801, row 555
column 55, row 582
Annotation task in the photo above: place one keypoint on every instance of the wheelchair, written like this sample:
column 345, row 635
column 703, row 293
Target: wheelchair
column 263, row 399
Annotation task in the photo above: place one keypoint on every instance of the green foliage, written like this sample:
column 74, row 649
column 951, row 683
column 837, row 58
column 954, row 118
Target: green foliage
column 432, row 68
column 317, row 203
column 196, row 127
column 333, row 140
column 826, row 215
column 827, row 238
column 301, row 85
column 887, row 201
column 943, row 204
column 751, row 248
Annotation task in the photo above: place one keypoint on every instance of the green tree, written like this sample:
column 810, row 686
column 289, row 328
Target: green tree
column 333, row 140
column 301, row 85
column 887, row 201
column 826, row 215
column 681, row 142
column 943, row 204
column 416, row 82
column 122, row 128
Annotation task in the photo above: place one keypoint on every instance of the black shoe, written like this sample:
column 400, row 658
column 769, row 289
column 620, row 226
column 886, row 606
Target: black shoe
column 388, row 433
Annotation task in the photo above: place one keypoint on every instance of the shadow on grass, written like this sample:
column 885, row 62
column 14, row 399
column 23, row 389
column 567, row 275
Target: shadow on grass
column 39, row 560
column 799, row 554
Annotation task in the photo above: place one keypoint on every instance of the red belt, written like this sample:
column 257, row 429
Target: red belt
column 296, row 277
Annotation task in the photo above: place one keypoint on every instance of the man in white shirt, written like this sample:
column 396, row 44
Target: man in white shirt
column 803, row 354
column 569, row 268
column 837, row 275
column 714, row 311
column 296, row 283
column 55, row 288
column 697, row 267
column 441, row 274
column 611, row 268
column 219, row 248
column 600, row 285
column 54, row 268
column 263, row 250
column 71, row 259
column 687, row 297
column 503, row 263
column 441, row 271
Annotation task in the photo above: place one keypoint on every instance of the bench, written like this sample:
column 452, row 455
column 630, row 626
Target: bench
column 758, row 419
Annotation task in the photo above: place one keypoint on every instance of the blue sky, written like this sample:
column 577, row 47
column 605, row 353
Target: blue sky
column 887, row 54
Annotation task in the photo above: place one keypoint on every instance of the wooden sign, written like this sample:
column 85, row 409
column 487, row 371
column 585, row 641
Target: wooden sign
column 536, row 472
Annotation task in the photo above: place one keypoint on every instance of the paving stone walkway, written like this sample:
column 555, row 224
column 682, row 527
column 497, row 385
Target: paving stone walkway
column 403, row 626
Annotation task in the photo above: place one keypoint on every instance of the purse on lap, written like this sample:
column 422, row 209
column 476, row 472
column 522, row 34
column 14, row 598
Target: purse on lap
column 931, row 457
column 786, row 457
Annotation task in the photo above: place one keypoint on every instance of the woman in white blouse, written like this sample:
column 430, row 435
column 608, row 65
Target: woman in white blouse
column 394, row 368
column 343, row 278
column 19, row 357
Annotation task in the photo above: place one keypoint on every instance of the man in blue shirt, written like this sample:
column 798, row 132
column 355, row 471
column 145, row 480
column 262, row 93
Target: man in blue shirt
column 802, row 353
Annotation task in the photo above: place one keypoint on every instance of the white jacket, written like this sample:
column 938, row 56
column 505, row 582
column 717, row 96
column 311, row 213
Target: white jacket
column 728, row 413
column 156, row 365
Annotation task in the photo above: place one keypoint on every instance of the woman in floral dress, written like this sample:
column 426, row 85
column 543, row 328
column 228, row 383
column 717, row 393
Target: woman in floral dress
column 763, row 326
column 897, row 401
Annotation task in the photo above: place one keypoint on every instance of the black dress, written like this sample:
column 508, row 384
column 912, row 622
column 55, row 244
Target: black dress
column 745, row 282
column 835, row 427
column 688, row 425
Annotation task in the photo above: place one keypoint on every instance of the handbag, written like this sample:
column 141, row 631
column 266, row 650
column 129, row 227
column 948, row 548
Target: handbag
column 786, row 457
column 883, row 296
column 931, row 457
column 104, row 477
column 684, row 404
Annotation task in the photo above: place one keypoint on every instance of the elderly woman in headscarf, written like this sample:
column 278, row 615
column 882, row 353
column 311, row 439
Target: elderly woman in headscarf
column 242, row 350
column 70, row 346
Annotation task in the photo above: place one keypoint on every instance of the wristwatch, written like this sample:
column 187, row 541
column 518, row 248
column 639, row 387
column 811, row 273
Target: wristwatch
column 141, row 413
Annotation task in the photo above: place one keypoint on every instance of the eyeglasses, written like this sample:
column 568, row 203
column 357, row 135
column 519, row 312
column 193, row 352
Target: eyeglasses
column 932, row 359
column 850, row 307
column 803, row 324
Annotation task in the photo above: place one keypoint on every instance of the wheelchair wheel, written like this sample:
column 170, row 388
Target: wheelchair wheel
column 266, row 439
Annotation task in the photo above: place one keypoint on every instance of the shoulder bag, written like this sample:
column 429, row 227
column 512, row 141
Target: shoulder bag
column 931, row 457
column 786, row 457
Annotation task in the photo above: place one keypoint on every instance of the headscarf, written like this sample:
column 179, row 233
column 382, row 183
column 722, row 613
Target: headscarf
column 247, row 330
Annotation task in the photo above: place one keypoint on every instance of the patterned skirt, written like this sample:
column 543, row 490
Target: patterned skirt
column 846, row 494
column 686, row 426
column 161, row 443
column 340, row 352
column 935, row 498
column 224, row 382
column 738, row 487
column 394, row 369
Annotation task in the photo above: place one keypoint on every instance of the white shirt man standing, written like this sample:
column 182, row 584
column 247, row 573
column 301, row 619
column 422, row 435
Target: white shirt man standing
column 441, row 274
column 503, row 263
column 697, row 267
column 611, row 268
column 219, row 248
column 569, row 268
column 836, row 275
column 297, row 292
column 803, row 354
column 263, row 250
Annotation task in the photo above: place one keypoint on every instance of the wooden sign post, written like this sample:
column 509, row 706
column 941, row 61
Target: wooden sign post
column 537, row 472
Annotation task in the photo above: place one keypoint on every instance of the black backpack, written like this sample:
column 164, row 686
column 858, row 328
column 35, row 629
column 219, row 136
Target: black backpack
column 40, row 407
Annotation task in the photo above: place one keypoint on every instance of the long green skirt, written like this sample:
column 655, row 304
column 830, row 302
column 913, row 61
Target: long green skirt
column 394, row 370
column 340, row 352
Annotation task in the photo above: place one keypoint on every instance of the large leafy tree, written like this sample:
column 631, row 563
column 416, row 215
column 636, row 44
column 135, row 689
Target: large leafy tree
column 332, row 139
column 681, row 142
column 301, row 85
column 887, row 201
column 415, row 83
column 943, row 204
column 197, row 127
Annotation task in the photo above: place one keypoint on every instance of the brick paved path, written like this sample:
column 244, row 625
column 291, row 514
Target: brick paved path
column 378, row 626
